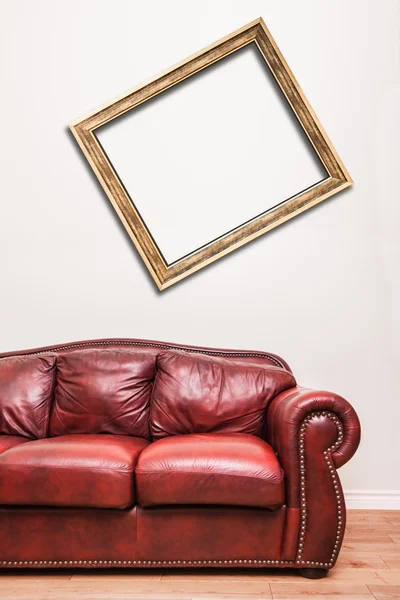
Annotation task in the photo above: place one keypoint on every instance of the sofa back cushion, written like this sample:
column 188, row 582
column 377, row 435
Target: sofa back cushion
column 26, row 392
column 103, row 391
column 198, row 394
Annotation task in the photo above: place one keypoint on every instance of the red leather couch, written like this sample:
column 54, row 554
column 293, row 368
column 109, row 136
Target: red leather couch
column 132, row 453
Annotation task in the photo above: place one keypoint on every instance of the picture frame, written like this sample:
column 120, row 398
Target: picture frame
column 164, row 274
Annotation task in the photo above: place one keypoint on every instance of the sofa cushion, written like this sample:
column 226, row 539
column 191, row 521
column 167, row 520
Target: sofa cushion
column 103, row 391
column 71, row 470
column 26, row 393
column 210, row 468
column 198, row 394
column 8, row 441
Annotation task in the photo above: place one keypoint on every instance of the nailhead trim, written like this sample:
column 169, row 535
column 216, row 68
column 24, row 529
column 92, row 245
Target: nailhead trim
column 141, row 563
column 303, row 498
column 153, row 345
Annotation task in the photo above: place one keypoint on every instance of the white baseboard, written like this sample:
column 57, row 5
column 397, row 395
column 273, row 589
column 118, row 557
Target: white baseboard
column 373, row 499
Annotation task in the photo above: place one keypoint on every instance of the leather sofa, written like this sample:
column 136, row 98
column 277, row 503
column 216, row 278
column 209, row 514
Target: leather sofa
column 133, row 453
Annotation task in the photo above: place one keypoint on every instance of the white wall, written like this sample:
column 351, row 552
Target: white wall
column 221, row 182
column 322, row 290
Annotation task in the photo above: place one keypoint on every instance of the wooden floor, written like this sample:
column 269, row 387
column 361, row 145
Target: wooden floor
column 368, row 568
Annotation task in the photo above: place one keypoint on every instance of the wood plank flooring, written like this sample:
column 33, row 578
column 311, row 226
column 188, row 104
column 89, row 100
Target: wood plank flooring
column 368, row 569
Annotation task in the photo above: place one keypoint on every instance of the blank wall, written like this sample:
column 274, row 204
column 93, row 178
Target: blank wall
column 322, row 290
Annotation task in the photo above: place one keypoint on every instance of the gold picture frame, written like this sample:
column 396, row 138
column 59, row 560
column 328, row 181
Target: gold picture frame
column 167, row 274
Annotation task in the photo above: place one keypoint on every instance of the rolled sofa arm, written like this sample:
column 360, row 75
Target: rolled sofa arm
column 313, row 433
column 287, row 411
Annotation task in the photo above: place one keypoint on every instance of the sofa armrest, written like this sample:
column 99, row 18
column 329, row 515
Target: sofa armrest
column 285, row 416
column 290, row 408
column 313, row 433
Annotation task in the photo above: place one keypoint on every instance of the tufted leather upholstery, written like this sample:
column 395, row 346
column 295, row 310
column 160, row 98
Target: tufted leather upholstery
column 210, row 468
column 229, row 462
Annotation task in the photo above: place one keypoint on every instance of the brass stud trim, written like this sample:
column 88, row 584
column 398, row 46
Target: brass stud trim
column 155, row 563
column 332, row 471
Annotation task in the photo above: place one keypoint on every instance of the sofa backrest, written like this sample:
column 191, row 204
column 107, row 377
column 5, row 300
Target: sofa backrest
column 104, row 386
column 253, row 356
column 103, row 390
column 202, row 394
column 26, row 394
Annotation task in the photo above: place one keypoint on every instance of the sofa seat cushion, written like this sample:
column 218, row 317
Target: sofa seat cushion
column 210, row 468
column 8, row 441
column 71, row 470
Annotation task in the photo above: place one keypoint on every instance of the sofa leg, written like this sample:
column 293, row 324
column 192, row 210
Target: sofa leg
column 313, row 573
